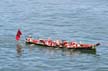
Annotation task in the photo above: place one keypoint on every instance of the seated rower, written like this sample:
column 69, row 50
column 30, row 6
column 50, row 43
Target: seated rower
column 58, row 43
column 31, row 40
column 48, row 42
column 42, row 41
column 64, row 43
column 74, row 44
column 53, row 44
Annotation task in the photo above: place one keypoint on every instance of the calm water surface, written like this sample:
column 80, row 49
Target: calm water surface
column 73, row 20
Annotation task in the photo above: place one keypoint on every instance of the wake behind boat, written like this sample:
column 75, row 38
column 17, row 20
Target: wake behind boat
column 61, row 44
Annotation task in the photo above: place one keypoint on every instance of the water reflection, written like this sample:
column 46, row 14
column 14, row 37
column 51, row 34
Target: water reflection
column 78, row 51
column 60, row 51
column 19, row 49
column 31, row 46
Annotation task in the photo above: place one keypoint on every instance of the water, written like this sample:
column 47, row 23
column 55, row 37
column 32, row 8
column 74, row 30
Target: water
column 73, row 20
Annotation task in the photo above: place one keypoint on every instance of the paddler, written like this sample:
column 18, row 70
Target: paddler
column 58, row 43
column 48, row 42
column 64, row 43
column 74, row 44
column 29, row 39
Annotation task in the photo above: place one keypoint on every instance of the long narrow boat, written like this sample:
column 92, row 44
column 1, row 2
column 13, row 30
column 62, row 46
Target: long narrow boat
column 82, row 46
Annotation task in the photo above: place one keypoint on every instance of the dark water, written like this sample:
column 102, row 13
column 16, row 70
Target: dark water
column 73, row 20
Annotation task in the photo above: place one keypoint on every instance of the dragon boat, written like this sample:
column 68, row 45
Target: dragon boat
column 63, row 44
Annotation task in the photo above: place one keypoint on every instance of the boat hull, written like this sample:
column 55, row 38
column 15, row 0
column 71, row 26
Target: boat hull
column 93, row 47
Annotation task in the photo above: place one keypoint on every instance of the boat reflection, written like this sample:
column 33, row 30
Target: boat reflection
column 62, row 51
column 78, row 51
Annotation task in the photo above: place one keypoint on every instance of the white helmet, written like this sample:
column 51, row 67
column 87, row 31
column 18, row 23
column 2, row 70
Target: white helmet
column 29, row 36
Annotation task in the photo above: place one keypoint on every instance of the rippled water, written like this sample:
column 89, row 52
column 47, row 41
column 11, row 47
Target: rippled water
column 73, row 20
